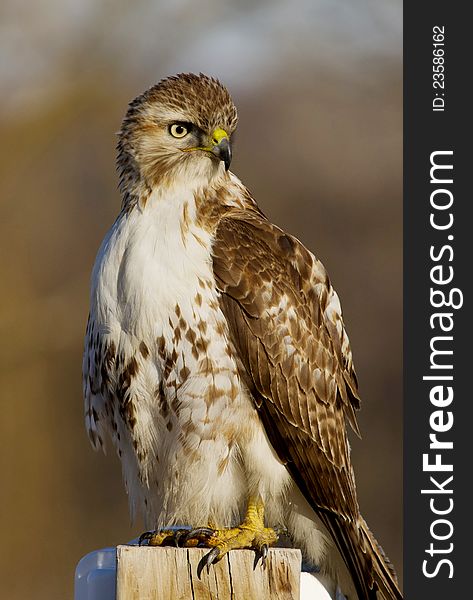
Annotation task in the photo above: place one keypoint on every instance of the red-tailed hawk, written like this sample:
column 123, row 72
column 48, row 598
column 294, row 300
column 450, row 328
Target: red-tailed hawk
column 216, row 357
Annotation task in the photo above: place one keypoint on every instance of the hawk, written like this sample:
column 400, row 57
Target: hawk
column 216, row 357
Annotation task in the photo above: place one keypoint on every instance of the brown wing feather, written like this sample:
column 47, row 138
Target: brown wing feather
column 285, row 322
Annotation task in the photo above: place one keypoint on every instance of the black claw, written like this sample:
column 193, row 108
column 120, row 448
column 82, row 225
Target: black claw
column 195, row 533
column 147, row 535
column 177, row 538
column 261, row 553
column 207, row 560
column 264, row 557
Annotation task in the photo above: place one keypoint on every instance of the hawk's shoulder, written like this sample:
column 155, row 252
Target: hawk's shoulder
column 283, row 290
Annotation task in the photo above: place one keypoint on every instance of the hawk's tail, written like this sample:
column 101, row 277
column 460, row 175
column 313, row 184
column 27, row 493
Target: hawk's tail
column 372, row 572
column 384, row 574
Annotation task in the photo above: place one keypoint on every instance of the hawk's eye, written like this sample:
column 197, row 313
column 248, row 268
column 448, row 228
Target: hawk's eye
column 178, row 131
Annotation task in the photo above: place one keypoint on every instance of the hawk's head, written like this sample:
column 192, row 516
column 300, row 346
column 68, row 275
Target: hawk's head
column 180, row 127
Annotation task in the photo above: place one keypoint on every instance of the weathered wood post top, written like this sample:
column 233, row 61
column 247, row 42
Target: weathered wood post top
column 168, row 573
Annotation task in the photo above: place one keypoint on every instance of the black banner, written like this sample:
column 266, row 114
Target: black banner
column 437, row 295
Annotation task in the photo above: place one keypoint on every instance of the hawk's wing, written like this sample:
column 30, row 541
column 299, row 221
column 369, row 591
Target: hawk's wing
column 286, row 325
column 97, row 370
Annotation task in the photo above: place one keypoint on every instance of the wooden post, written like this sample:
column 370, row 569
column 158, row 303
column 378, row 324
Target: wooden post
column 146, row 573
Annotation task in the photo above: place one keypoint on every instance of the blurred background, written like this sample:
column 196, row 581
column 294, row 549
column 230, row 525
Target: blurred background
column 319, row 90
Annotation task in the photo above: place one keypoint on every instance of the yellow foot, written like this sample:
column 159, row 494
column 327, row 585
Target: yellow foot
column 223, row 540
column 251, row 534
column 166, row 537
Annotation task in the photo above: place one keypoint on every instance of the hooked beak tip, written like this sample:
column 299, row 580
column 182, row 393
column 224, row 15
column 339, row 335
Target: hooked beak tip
column 223, row 151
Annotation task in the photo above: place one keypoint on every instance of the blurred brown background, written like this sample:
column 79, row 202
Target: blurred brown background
column 318, row 87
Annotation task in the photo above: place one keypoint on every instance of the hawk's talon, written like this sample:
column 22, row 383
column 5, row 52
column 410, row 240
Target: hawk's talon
column 180, row 533
column 251, row 534
column 264, row 555
column 163, row 537
column 145, row 536
column 265, row 552
column 261, row 554
column 211, row 557
column 197, row 534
